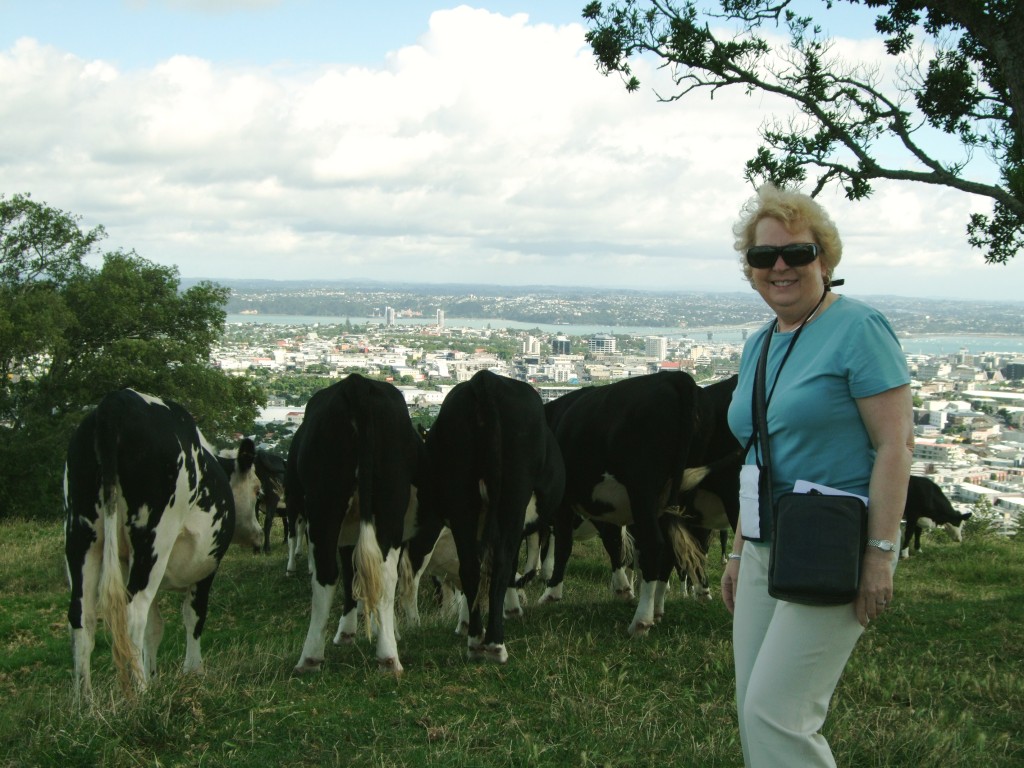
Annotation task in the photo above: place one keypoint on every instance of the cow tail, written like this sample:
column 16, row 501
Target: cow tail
column 113, row 595
column 488, row 431
column 694, row 476
column 688, row 555
column 367, row 559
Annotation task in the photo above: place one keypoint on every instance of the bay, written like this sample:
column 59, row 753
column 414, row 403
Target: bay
column 924, row 344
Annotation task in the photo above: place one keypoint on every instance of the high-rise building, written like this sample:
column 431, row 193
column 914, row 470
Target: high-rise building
column 601, row 344
column 389, row 316
column 656, row 346
column 531, row 345
column 440, row 318
column 561, row 345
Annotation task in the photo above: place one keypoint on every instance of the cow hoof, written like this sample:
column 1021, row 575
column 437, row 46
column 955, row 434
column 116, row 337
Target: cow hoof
column 344, row 638
column 548, row 597
column 492, row 653
column 391, row 665
column 625, row 595
column 640, row 628
column 516, row 613
column 289, row 573
column 462, row 629
column 308, row 666
column 658, row 617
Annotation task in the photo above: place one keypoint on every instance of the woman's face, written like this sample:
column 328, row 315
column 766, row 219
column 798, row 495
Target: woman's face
column 792, row 292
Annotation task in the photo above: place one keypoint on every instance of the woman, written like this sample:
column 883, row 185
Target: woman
column 840, row 415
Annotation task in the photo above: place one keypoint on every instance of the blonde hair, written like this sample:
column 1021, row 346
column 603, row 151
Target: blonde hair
column 794, row 210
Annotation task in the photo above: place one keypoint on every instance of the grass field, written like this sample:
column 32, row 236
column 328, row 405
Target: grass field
column 939, row 681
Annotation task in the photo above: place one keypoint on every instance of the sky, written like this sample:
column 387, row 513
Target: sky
column 420, row 141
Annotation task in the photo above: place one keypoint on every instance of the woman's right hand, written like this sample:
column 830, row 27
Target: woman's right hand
column 730, row 579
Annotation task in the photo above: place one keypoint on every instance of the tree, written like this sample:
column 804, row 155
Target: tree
column 966, row 81
column 70, row 333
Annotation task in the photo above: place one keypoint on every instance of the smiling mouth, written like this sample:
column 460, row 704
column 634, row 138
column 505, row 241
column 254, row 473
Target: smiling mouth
column 783, row 283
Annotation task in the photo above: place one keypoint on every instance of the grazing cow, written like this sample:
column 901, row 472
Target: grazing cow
column 715, row 505
column 616, row 540
column 270, row 469
column 927, row 506
column 493, row 469
column 351, row 474
column 632, row 449
column 146, row 499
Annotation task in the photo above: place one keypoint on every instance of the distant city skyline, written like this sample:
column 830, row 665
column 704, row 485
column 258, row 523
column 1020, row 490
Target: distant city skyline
column 421, row 141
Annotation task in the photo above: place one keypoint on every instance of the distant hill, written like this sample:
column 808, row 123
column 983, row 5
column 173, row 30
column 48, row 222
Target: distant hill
column 588, row 306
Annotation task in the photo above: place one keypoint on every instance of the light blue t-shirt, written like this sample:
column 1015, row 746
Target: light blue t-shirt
column 849, row 351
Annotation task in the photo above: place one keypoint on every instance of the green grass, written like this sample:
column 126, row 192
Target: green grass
column 938, row 682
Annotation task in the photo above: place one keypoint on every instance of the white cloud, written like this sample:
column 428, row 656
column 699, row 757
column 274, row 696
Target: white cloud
column 487, row 150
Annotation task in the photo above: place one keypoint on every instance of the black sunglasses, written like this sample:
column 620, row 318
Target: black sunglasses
column 795, row 255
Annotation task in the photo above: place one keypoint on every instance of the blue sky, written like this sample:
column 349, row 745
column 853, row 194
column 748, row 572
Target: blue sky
column 416, row 141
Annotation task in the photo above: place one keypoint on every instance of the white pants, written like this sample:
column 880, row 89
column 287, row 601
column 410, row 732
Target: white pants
column 789, row 659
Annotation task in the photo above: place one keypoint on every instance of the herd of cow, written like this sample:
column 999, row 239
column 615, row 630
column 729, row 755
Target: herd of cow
column 647, row 463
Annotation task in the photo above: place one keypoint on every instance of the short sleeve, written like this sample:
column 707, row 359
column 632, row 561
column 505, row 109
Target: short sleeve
column 877, row 362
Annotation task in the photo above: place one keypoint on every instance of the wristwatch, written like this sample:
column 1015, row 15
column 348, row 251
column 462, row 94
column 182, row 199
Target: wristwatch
column 883, row 544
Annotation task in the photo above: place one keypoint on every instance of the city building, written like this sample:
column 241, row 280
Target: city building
column 656, row 346
column 601, row 344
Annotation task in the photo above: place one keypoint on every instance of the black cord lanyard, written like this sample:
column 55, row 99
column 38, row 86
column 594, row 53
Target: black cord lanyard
column 759, row 396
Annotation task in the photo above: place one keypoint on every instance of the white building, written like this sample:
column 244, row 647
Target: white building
column 656, row 347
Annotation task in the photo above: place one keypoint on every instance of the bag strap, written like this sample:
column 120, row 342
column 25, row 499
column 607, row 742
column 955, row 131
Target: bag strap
column 761, row 398
column 765, row 492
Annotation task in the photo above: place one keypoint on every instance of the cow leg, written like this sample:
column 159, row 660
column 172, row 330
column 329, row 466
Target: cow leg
column 614, row 538
column 154, row 634
column 348, row 625
column 660, row 591
column 653, row 558
column 532, row 563
column 387, row 635
column 512, row 606
column 270, row 501
column 548, row 558
column 562, row 535
column 464, row 534
column 511, row 517
column 84, row 573
column 462, row 622
column 323, row 549
column 194, row 610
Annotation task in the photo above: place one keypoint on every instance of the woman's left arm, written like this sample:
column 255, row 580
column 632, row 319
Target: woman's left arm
column 888, row 417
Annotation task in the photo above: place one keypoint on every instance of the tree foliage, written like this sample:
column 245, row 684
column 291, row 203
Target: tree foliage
column 70, row 333
column 959, row 73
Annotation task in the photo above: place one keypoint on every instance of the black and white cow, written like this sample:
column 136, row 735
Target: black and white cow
column 148, row 507
column 617, row 542
column 633, row 449
column 352, row 474
column 494, row 467
column 714, row 505
column 270, row 469
column 927, row 506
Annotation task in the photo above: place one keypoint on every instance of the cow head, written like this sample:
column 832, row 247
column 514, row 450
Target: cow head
column 956, row 530
column 245, row 487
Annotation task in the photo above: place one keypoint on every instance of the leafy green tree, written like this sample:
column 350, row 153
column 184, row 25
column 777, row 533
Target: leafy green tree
column 70, row 333
column 966, row 82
